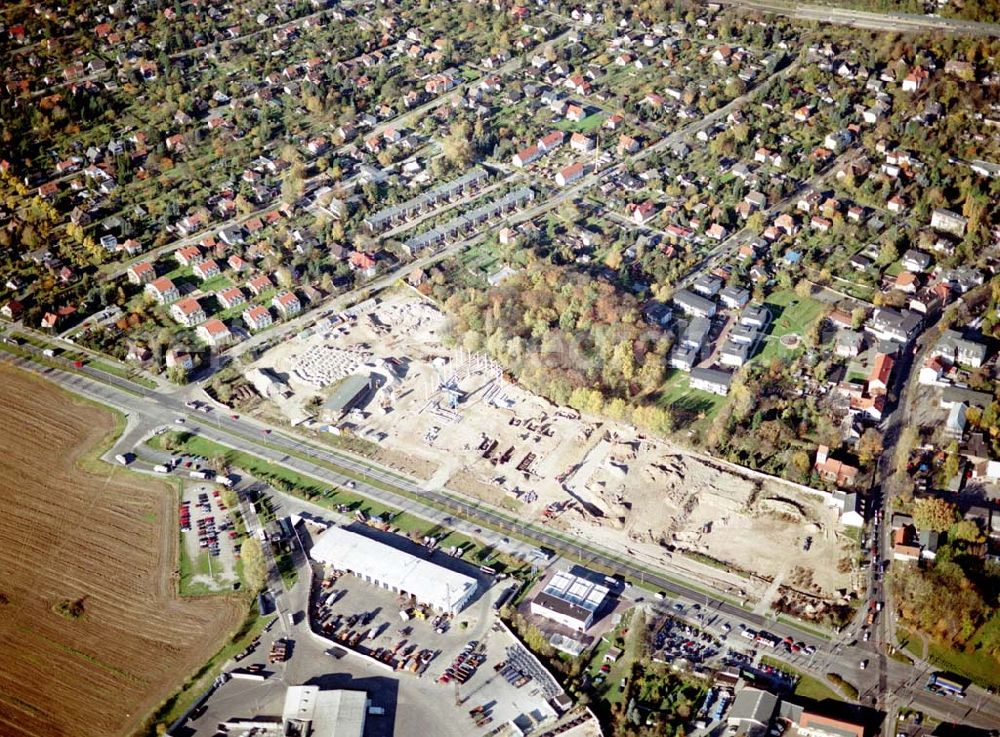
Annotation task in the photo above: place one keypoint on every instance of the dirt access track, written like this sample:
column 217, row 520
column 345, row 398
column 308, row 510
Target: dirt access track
column 101, row 537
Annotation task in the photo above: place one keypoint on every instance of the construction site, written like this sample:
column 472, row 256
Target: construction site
column 384, row 372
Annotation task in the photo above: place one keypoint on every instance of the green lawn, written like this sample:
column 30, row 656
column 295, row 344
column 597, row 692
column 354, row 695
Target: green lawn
column 791, row 314
column 591, row 123
column 215, row 284
column 813, row 688
column 976, row 666
column 122, row 372
column 677, row 396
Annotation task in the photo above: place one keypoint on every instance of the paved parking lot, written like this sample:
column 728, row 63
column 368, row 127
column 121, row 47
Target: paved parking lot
column 472, row 632
column 206, row 526
column 415, row 705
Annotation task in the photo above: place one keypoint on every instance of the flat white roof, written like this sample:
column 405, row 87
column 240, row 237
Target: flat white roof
column 427, row 581
column 329, row 713
column 576, row 590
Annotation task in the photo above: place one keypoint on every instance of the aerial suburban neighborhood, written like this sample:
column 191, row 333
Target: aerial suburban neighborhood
column 397, row 368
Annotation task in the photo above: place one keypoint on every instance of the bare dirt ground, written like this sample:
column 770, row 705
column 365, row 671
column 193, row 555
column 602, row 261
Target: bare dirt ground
column 450, row 418
column 105, row 541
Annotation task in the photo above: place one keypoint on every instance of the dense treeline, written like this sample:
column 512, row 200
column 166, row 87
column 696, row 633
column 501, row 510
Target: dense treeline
column 954, row 597
column 573, row 339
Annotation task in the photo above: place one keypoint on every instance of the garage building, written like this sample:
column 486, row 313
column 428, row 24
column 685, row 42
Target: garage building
column 570, row 600
column 396, row 570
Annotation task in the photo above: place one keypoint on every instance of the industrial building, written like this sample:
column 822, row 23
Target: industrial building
column 396, row 570
column 350, row 393
column 308, row 712
column 570, row 600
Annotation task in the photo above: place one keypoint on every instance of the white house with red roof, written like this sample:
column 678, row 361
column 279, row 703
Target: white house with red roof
column 526, row 156
column 231, row 297
column 569, row 174
column 187, row 312
column 163, row 290
column 215, row 333
column 287, row 304
column 237, row 264
column 141, row 273
column 188, row 255
column 580, row 142
column 206, row 269
column 257, row 317
column 551, row 142
column 641, row 214
column 259, row 284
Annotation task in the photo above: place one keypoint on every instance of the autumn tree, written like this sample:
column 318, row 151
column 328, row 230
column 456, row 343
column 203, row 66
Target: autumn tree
column 457, row 146
column 870, row 446
column 932, row 513
column 254, row 566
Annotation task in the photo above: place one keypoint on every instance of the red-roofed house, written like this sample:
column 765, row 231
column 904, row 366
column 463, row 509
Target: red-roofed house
column 237, row 264
column 580, row 142
column 916, row 79
column 259, row 284
column 189, row 255
column 627, row 144
column 231, row 297
column 641, row 214
column 215, row 333
column 187, row 312
column 837, row 472
column 163, row 290
column 362, row 262
column 551, row 142
column 141, row 273
column 569, row 174
column 287, row 304
column 206, row 269
column 878, row 379
column 932, row 371
column 257, row 317
column 526, row 156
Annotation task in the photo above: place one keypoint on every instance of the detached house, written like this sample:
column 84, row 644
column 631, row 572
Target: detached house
column 569, row 174
column 257, row 317
column 163, row 290
column 642, row 213
column 259, row 285
column 551, row 142
column 526, row 156
column 189, row 256
column 834, row 471
column 206, row 270
column 581, row 143
column 215, row 333
column 187, row 312
column 287, row 304
column 881, row 374
column 231, row 297
column 141, row 273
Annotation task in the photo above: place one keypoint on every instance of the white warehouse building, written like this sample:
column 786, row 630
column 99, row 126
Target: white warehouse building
column 570, row 601
column 396, row 570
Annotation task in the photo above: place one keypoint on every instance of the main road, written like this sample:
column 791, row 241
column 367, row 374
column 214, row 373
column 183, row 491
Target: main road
column 146, row 410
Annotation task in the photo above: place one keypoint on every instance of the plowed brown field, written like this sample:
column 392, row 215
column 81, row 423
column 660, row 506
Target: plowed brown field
column 101, row 536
